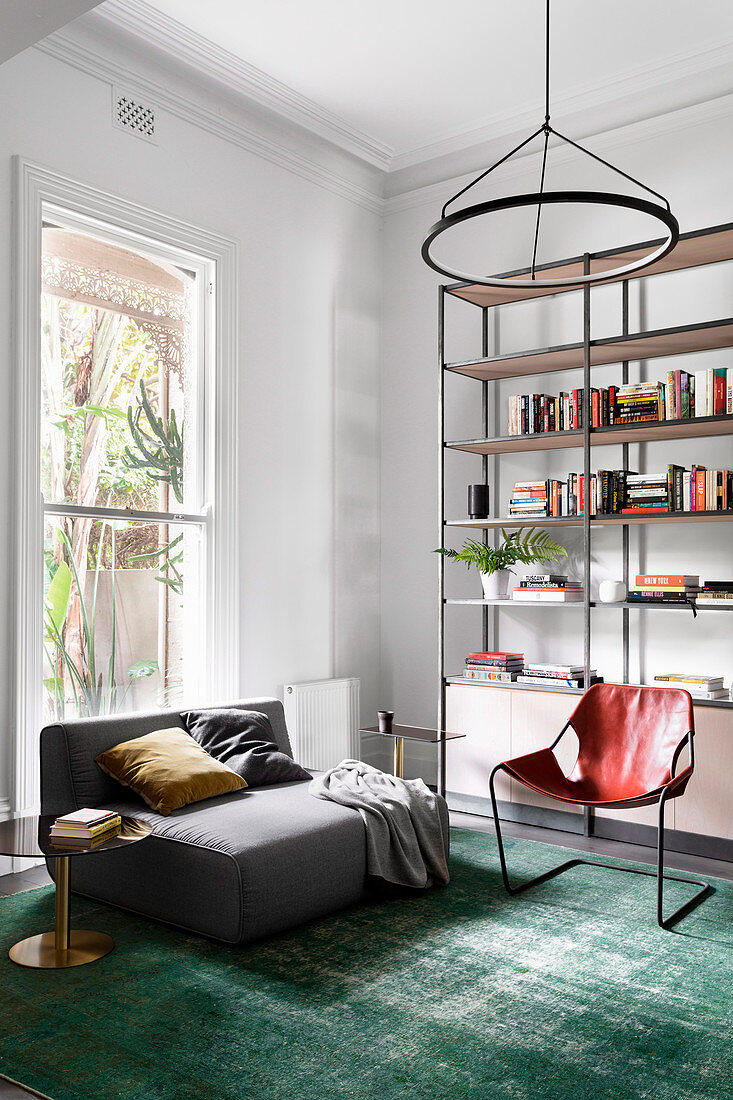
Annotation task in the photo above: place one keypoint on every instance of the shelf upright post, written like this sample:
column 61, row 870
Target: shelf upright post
column 625, row 530
column 441, row 542
column 587, row 812
column 485, row 458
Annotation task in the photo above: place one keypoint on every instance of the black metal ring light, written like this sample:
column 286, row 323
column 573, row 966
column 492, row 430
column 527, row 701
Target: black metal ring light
column 659, row 210
column 590, row 198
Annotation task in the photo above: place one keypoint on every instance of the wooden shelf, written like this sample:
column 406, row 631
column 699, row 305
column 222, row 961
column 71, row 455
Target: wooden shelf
column 564, row 690
column 593, row 603
column 706, row 246
column 682, row 340
column 596, row 521
column 518, row 603
column 696, row 428
column 723, row 704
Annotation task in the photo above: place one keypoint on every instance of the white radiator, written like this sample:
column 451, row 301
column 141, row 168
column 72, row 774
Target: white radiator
column 323, row 721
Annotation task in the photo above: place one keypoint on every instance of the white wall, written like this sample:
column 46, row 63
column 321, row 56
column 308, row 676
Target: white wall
column 309, row 360
column 681, row 155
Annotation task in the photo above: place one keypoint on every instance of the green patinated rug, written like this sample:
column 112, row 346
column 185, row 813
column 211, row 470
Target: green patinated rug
column 570, row 991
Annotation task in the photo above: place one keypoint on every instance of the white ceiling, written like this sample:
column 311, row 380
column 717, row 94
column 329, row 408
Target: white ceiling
column 411, row 73
column 24, row 23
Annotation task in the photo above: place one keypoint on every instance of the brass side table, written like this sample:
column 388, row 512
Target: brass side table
column 410, row 733
column 30, row 837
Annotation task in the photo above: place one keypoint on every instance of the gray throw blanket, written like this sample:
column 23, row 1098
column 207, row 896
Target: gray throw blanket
column 405, row 841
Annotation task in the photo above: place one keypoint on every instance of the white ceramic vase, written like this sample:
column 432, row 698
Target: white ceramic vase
column 612, row 591
column 495, row 584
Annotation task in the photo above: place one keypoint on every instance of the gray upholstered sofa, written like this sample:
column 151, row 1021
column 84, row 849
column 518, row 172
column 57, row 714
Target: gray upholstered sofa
column 233, row 868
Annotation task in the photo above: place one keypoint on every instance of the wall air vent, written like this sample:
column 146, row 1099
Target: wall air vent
column 133, row 117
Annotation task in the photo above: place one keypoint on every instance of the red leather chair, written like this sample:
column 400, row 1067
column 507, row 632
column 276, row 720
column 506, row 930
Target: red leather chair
column 630, row 740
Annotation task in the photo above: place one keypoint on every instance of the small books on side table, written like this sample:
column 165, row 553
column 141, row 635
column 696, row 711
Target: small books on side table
column 85, row 828
column 700, row 686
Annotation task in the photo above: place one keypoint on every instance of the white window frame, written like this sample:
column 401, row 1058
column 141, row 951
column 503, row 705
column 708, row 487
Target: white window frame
column 44, row 194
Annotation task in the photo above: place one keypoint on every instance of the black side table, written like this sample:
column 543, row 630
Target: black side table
column 30, row 837
column 410, row 733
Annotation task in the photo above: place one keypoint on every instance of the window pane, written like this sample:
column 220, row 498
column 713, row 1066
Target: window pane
column 121, row 629
column 117, row 352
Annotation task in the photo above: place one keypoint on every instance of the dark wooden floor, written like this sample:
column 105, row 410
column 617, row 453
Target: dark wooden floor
column 38, row 876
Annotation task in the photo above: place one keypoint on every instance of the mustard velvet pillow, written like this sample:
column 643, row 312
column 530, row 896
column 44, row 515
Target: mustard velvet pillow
column 168, row 769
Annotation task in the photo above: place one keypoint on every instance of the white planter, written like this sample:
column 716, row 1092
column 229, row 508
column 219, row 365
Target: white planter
column 495, row 584
column 612, row 591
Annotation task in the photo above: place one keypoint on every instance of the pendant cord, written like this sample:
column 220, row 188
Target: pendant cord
column 548, row 130
column 547, row 63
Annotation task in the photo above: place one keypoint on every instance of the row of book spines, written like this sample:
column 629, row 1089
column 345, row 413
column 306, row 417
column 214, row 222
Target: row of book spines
column 698, row 490
column 535, row 413
column 674, row 400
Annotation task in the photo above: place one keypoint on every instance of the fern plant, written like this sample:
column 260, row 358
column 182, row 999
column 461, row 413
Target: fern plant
column 528, row 547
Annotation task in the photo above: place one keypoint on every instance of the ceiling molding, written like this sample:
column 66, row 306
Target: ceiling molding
column 209, row 60
column 624, row 137
column 599, row 96
column 67, row 47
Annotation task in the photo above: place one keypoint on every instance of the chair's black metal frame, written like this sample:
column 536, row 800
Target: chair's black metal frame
column 664, row 922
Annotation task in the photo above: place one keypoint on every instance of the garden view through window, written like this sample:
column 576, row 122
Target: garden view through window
column 120, row 434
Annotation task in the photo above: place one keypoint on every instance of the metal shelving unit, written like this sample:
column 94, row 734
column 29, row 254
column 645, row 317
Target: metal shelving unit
column 699, row 248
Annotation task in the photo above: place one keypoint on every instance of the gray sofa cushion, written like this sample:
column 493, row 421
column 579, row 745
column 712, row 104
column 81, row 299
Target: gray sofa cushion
column 235, row 868
column 243, row 740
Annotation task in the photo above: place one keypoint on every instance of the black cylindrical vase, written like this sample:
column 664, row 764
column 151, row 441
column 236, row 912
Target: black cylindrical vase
column 478, row 501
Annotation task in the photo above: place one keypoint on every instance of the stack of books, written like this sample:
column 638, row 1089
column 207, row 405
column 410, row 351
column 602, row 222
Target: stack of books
column 557, row 676
column 547, row 588
column 664, row 588
column 639, row 403
column 530, row 498
column 500, row 668
column 716, row 594
column 540, row 498
column 646, row 493
column 699, row 686
column 85, row 828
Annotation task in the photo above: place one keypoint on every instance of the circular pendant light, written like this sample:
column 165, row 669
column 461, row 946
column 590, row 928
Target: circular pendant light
column 656, row 207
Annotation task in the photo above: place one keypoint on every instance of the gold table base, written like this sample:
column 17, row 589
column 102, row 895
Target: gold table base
column 399, row 747
column 41, row 951
column 64, row 946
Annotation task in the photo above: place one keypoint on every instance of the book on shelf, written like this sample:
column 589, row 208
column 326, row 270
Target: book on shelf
column 700, row 686
column 554, row 670
column 666, row 580
column 715, row 594
column 682, row 395
column 490, row 675
column 557, row 681
column 694, row 680
column 547, row 594
column 495, row 655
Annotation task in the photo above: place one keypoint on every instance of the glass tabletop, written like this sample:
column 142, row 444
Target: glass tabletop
column 413, row 733
column 31, row 836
